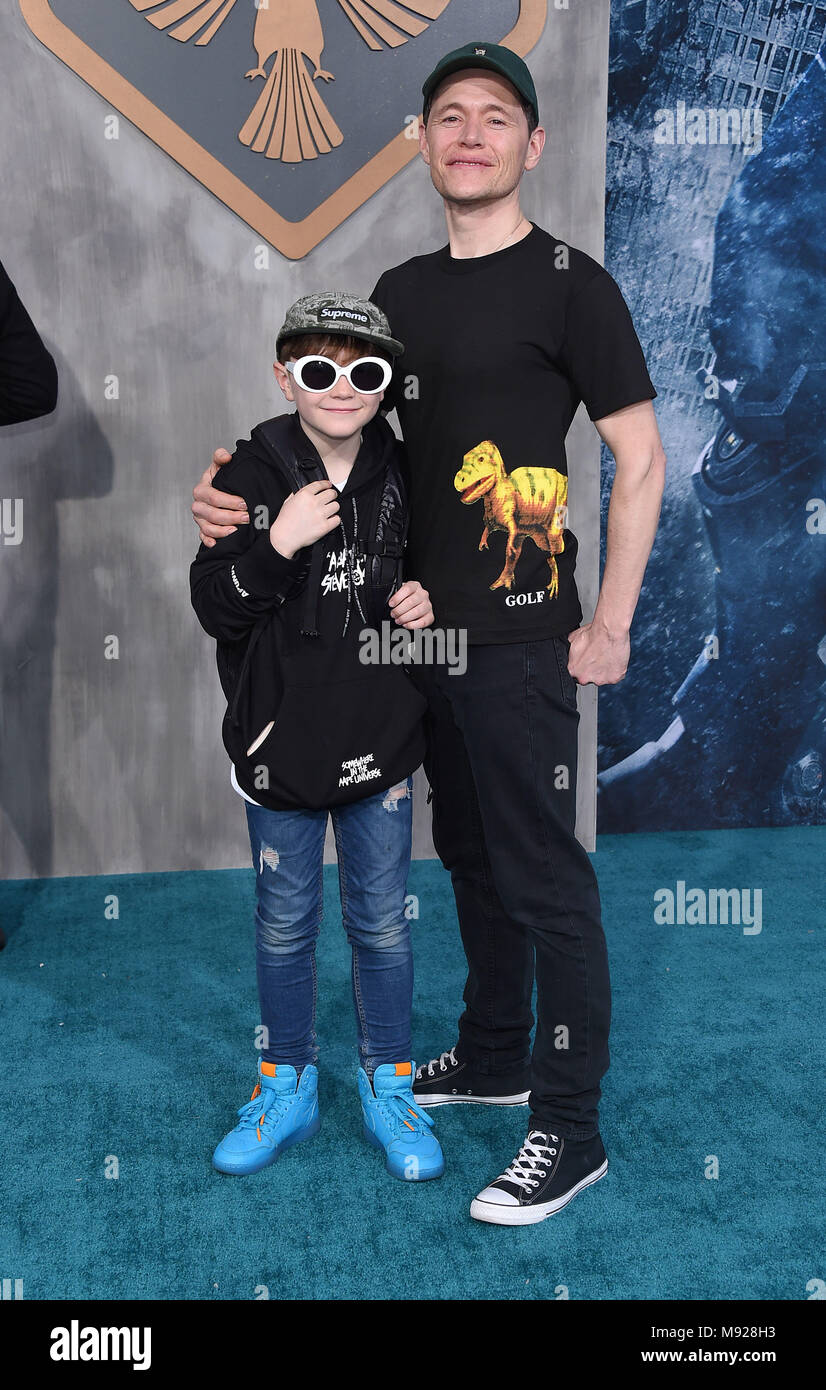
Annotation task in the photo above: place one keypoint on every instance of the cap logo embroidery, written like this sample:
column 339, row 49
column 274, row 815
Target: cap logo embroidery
column 353, row 314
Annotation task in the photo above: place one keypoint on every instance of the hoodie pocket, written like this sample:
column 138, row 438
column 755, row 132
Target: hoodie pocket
column 261, row 739
column 330, row 745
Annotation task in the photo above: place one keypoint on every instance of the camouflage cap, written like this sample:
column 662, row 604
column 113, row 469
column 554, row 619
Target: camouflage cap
column 338, row 313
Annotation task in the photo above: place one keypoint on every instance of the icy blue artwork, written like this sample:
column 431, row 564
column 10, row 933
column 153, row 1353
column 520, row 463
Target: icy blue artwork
column 715, row 213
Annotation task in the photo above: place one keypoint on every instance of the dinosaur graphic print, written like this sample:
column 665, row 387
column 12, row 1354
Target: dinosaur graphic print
column 527, row 504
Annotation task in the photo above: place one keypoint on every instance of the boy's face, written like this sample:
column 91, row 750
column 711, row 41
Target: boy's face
column 340, row 412
column 476, row 141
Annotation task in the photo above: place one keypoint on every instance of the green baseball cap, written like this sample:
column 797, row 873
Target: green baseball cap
column 340, row 314
column 486, row 55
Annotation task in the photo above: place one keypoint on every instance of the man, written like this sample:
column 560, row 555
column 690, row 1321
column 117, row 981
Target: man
column 506, row 330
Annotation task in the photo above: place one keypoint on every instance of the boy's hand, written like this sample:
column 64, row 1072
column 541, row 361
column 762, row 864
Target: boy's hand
column 410, row 606
column 216, row 513
column 305, row 516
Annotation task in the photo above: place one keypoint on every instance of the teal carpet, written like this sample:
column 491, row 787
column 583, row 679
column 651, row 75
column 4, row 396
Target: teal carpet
column 133, row 1038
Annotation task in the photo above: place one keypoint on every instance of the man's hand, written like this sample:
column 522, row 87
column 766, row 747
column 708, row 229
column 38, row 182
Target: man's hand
column 600, row 650
column 410, row 606
column 216, row 513
column 597, row 656
column 305, row 517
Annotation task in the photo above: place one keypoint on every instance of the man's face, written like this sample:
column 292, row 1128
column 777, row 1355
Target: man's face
column 476, row 142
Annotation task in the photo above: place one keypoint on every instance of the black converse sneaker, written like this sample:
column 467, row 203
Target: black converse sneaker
column 445, row 1080
column 545, row 1176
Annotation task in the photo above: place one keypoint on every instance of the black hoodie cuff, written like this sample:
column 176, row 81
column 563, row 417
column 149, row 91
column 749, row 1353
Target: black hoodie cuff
column 262, row 569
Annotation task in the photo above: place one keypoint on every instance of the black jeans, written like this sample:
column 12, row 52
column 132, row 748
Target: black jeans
column 501, row 761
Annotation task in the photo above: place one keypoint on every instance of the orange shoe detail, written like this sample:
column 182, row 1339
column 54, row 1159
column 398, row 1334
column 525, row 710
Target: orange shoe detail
column 403, row 1068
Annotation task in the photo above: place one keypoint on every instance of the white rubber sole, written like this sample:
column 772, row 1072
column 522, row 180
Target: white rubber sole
column 425, row 1101
column 528, row 1216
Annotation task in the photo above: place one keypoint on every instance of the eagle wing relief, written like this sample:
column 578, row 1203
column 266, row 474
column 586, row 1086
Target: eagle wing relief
column 527, row 504
column 290, row 120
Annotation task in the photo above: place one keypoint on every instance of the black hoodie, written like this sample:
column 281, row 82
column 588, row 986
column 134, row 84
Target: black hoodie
column 308, row 725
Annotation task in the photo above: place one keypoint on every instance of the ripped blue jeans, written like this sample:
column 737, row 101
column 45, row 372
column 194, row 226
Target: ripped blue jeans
column 373, row 841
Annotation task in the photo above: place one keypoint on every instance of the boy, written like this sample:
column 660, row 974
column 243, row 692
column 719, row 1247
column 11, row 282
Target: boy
column 312, row 730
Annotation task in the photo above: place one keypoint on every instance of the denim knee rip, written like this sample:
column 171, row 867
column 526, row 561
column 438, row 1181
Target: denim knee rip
column 395, row 794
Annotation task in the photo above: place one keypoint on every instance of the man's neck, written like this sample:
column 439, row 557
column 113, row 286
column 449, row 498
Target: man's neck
column 480, row 229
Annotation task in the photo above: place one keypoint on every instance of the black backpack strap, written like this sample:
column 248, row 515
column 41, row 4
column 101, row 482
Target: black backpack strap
column 243, row 674
column 297, row 465
column 309, row 620
column 386, row 542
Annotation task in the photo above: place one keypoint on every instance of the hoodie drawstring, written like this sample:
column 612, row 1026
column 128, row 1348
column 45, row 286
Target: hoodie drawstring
column 352, row 591
column 309, row 626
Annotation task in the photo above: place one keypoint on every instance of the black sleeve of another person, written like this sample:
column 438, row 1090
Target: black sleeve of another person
column 28, row 375
column 602, row 353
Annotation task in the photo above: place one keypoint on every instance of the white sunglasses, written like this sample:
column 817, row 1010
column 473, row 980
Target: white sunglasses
column 367, row 375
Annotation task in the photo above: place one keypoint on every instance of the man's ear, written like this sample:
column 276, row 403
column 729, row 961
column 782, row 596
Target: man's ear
column 536, row 145
column 423, row 150
column 284, row 380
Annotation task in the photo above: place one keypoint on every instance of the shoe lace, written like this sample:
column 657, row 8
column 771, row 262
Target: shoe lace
column 524, row 1171
column 439, row 1062
column 263, row 1110
column 399, row 1111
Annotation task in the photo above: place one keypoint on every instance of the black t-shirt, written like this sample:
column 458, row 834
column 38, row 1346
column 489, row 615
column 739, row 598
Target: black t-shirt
column 499, row 352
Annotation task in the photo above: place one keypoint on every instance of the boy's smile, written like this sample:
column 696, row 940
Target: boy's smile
column 339, row 412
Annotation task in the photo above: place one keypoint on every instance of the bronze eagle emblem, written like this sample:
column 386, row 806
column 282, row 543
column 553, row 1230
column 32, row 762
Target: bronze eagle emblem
column 290, row 120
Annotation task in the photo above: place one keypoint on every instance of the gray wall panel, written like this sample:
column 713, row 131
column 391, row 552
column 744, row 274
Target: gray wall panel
column 129, row 267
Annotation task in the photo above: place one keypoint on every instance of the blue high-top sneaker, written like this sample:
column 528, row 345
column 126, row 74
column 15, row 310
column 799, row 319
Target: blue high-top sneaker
column 282, row 1111
column 394, row 1122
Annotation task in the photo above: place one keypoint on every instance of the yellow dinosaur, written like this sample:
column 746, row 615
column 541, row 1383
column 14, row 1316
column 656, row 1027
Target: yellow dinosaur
column 529, row 502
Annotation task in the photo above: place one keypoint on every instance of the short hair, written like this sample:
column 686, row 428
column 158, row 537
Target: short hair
column 328, row 345
column 530, row 115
